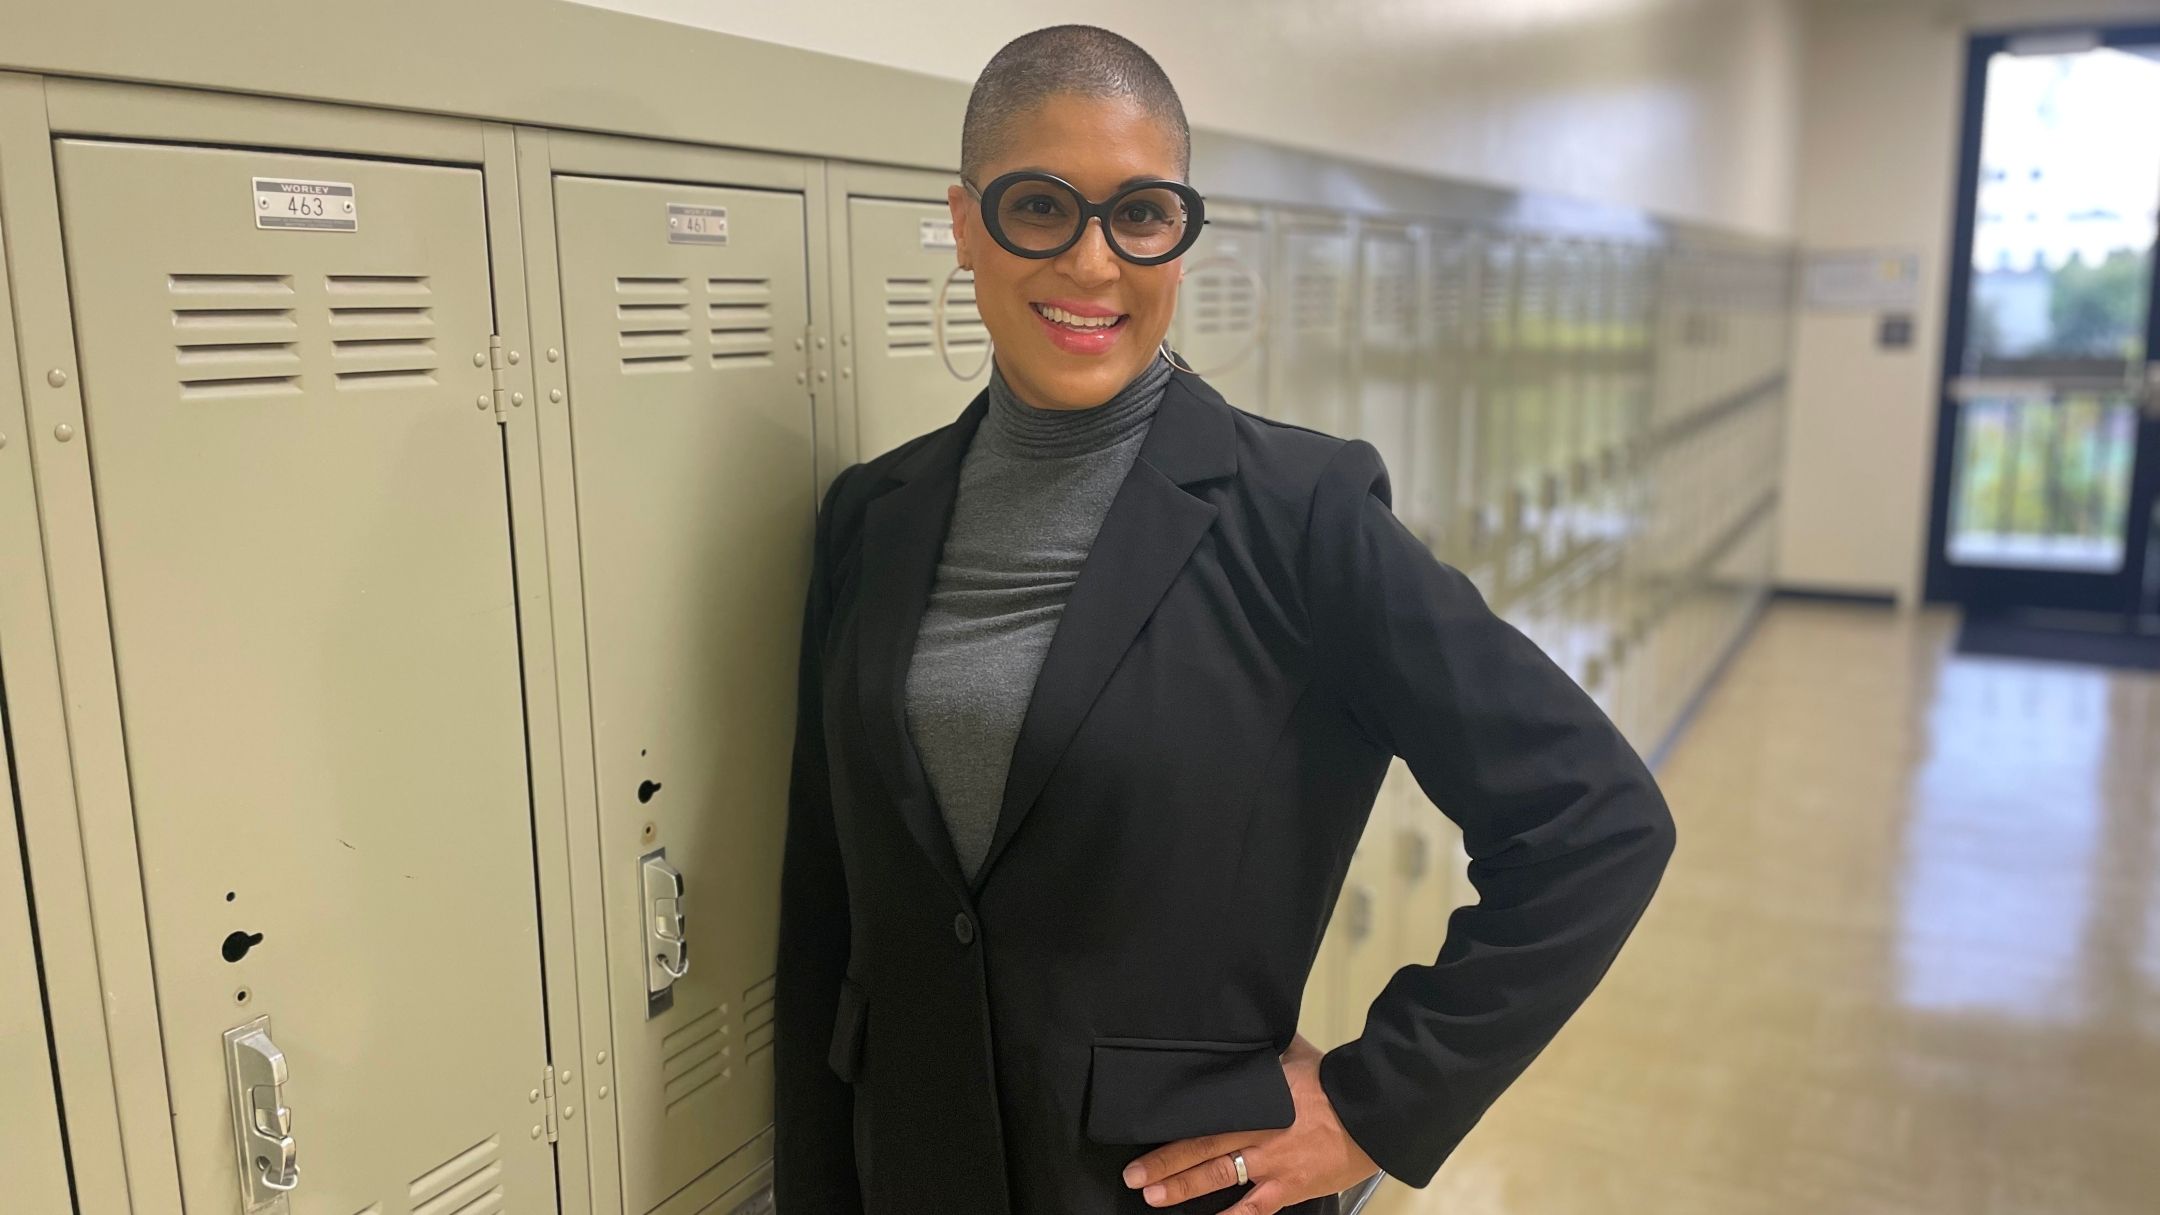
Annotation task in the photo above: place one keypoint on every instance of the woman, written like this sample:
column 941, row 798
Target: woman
column 1099, row 683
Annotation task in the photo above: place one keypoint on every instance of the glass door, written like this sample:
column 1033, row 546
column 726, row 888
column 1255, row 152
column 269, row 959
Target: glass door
column 2049, row 451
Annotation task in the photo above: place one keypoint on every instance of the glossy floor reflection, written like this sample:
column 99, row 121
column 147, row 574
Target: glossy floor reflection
column 1906, row 960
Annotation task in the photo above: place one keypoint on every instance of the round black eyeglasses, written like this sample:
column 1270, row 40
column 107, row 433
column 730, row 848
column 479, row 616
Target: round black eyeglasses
column 1037, row 215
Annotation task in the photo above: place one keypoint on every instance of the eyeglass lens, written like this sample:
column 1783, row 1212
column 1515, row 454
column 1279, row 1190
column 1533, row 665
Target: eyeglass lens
column 1144, row 223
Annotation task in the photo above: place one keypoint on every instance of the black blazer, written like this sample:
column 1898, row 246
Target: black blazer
column 1251, row 639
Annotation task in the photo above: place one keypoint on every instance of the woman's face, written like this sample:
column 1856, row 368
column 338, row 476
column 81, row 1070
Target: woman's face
column 1099, row 146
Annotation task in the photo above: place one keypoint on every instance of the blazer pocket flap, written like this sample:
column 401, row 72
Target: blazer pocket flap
column 1150, row 1091
column 850, row 1020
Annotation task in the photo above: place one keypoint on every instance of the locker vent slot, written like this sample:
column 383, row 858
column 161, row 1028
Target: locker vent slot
column 757, row 1039
column 757, row 1002
column 377, row 284
column 1390, row 301
column 209, row 322
column 1450, row 286
column 653, row 323
column 251, row 386
column 213, row 360
column 1495, row 305
column 382, row 332
column 371, row 320
column 1222, row 303
column 696, row 1055
column 1534, row 302
column 909, row 304
column 1576, row 307
column 1314, row 300
column 740, row 313
column 227, row 344
column 758, row 1017
column 469, row 1183
column 230, row 284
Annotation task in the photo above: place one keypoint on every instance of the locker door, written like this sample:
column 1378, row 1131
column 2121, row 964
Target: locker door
column 30, row 1154
column 1387, row 343
column 1371, row 908
column 305, row 534
column 691, row 428
column 899, row 254
column 1429, row 841
column 1438, row 436
column 1534, row 411
column 1221, row 308
column 1486, row 432
column 1310, row 381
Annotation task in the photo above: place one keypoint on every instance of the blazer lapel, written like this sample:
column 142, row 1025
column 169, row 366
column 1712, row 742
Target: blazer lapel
column 1152, row 527
column 903, row 533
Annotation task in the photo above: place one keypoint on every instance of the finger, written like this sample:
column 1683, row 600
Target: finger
column 1214, row 1173
column 1267, row 1198
column 1177, row 1157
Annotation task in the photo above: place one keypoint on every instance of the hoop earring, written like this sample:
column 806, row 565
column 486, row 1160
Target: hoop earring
column 1174, row 360
column 937, row 329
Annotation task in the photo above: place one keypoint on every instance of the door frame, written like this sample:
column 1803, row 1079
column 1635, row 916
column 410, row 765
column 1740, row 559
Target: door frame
column 1988, row 589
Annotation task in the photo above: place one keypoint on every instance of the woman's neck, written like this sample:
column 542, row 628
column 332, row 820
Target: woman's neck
column 1016, row 428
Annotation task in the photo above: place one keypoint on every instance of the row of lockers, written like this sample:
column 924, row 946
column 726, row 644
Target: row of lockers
column 1590, row 430
column 400, row 573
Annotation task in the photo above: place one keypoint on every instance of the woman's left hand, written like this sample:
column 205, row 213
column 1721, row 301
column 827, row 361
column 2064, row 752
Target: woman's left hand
column 1314, row 1156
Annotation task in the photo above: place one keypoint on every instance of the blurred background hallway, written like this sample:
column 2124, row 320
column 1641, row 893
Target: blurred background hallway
column 1906, row 960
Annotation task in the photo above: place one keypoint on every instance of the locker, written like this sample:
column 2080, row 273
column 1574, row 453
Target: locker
column 1567, row 468
column 30, row 1153
column 900, row 256
column 30, row 1135
column 1221, row 325
column 1367, row 921
column 1310, row 349
column 1428, row 841
column 691, row 430
column 1387, row 331
column 1497, row 515
column 1318, row 1010
column 305, row 533
column 1438, row 504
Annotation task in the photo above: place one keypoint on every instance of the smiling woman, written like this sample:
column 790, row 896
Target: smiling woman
column 1098, row 685
column 1074, row 212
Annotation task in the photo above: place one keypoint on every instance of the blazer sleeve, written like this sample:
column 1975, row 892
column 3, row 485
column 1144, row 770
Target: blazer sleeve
column 1566, row 830
column 814, row 1145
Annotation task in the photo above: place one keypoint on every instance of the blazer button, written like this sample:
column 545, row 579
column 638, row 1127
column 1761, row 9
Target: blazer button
column 963, row 928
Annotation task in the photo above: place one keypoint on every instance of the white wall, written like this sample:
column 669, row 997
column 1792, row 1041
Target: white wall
column 1883, row 89
column 1686, row 107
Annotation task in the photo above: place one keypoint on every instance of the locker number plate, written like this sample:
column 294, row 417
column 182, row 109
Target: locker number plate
column 688, row 225
column 937, row 234
column 314, row 206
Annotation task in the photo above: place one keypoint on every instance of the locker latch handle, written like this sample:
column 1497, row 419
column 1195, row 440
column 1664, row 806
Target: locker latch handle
column 667, row 948
column 262, row 1123
column 1417, row 856
column 1361, row 913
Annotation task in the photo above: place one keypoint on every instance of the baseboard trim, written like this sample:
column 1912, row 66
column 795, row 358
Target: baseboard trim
column 1663, row 751
column 1825, row 594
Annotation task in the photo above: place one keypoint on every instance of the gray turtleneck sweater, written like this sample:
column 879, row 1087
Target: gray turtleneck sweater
column 1034, row 487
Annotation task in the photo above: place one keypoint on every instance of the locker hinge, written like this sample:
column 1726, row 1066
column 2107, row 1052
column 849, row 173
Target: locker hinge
column 502, row 416
column 547, row 1101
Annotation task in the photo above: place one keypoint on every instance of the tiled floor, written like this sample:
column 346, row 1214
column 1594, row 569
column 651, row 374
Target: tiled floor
column 1906, row 960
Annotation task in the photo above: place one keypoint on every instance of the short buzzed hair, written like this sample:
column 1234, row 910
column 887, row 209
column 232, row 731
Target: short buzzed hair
column 1076, row 60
